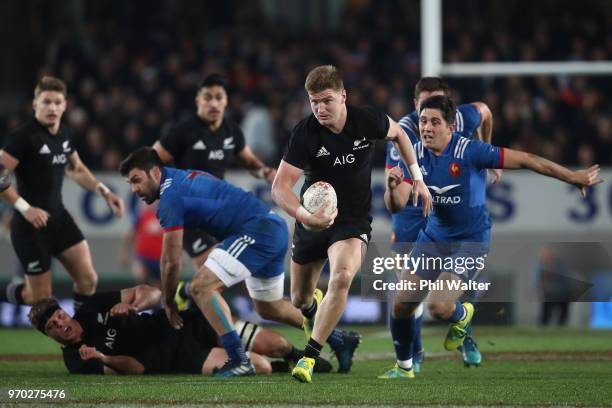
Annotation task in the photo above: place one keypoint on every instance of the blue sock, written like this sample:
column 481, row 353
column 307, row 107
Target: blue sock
column 232, row 345
column 417, row 344
column 402, row 332
column 336, row 339
column 458, row 314
column 468, row 329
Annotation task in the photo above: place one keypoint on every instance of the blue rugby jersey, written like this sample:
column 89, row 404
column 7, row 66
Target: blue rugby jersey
column 195, row 199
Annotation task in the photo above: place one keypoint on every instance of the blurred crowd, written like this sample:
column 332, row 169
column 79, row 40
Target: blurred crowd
column 132, row 69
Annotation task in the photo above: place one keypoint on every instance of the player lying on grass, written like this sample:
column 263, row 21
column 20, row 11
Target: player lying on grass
column 108, row 336
column 454, row 168
column 252, row 239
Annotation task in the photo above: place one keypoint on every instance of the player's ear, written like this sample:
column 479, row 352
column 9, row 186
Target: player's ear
column 343, row 93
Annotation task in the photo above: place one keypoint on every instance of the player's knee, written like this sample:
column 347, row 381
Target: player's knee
column 266, row 310
column 262, row 366
column 402, row 310
column 200, row 286
column 300, row 299
column 439, row 310
column 86, row 284
column 340, row 281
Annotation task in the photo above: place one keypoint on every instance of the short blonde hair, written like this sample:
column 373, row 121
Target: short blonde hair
column 49, row 83
column 323, row 77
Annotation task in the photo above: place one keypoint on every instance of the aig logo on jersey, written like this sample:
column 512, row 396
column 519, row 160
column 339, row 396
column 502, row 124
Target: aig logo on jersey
column 346, row 159
column 59, row 159
column 216, row 155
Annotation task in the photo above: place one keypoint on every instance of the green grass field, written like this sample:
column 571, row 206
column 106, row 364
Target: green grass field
column 522, row 366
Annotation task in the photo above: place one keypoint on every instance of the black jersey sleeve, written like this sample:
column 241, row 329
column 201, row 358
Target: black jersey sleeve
column 375, row 122
column 17, row 145
column 297, row 150
column 102, row 301
column 239, row 142
column 172, row 141
column 75, row 365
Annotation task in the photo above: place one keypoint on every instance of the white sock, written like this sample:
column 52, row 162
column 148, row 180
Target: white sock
column 405, row 364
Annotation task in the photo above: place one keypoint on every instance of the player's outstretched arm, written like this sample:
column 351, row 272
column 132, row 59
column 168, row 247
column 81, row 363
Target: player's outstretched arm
column 170, row 264
column 402, row 143
column 255, row 166
column 396, row 191
column 112, row 364
column 582, row 179
column 282, row 194
column 141, row 297
column 80, row 173
column 35, row 216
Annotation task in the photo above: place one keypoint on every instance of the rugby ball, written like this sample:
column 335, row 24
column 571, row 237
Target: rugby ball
column 318, row 195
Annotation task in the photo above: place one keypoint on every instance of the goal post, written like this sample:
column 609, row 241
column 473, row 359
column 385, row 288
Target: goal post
column 432, row 56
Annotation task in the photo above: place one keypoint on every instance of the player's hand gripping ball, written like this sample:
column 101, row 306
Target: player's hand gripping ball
column 318, row 195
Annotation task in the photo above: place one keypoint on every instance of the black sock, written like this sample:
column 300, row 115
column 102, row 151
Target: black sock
column 309, row 312
column 12, row 294
column 79, row 299
column 313, row 349
column 294, row 355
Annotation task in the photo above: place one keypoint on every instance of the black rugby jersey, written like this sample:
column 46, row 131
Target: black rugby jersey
column 344, row 160
column 194, row 146
column 42, row 161
column 114, row 336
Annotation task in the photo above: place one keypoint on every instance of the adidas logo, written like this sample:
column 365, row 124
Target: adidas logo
column 44, row 150
column 199, row 145
column 322, row 152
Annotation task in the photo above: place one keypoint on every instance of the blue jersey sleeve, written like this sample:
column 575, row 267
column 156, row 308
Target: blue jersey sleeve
column 468, row 120
column 170, row 211
column 393, row 156
column 485, row 156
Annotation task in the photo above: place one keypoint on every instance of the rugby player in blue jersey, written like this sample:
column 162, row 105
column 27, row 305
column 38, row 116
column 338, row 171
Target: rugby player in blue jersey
column 253, row 243
column 454, row 167
column 473, row 120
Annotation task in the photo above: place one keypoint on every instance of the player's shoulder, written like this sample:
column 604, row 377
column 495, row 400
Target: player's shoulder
column 409, row 123
column 27, row 129
column 459, row 145
column 183, row 125
column 65, row 131
column 467, row 119
column 231, row 126
column 364, row 112
column 306, row 125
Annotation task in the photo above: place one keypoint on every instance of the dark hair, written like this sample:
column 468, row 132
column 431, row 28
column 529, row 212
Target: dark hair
column 41, row 311
column 49, row 83
column 442, row 103
column 213, row 80
column 431, row 84
column 323, row 77
column 144, row 158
